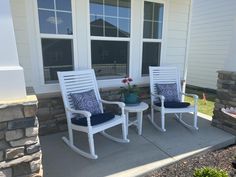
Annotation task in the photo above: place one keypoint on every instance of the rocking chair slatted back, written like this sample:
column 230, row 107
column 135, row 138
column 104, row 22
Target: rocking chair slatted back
column 77, row 82
column 164, row 75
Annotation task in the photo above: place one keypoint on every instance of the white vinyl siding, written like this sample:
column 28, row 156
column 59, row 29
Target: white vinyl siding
column 211, row 33
column 177, row 34
column 176, row 31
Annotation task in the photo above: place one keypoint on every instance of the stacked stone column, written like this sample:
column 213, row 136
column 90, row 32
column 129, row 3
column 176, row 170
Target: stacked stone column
column 20, row 151
column 226, row 98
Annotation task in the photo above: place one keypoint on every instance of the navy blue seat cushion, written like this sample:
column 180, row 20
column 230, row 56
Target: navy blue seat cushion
column 173, row 104
column 169, row 91
column 86, row 101
column 95, row 119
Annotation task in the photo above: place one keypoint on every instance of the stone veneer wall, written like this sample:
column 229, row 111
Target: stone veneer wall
column 20, row 151
column 51, row 111
column 226, row 98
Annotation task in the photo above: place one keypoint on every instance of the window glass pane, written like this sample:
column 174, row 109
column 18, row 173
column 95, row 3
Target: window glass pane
column 151, row 56
column 64, row 23
column 53, row 21
column 158, row 12
column 47, row 22
column 157, row 30
column 124, row 30
column 153, row 20
column 111, row 27
column 110, row 58
column 124, row 8
column 110, row 8
column 63, row 5
column 57, row 56
column 96, row 7
column 147, row 29
column 110, row 18
column 47, row 4
column 148, row 10
column 96, row 25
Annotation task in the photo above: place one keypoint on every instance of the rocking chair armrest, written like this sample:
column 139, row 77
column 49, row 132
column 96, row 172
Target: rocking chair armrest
column 158, row 96
column 84, row 113
column 191, row 95
column 120, row 104
column 162, row 98
column 195, row 97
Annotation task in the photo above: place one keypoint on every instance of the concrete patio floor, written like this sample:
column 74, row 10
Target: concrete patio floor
column 144, row 153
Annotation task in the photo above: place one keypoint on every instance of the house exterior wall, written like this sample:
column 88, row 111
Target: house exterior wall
column 230, row 63
column 177, row 34
column 210, row 40
column 19, row 14
column 174, row 52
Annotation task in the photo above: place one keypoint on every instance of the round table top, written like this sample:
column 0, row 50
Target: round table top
column 137, row 108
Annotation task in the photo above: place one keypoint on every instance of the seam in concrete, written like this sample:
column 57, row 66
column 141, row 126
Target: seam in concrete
column 166, row 153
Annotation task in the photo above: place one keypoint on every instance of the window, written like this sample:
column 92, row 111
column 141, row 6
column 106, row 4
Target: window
column 55, row 54
column 152, row 35
column 151, row 55
column 56, row 33
column 103, row 52
column 110, row 37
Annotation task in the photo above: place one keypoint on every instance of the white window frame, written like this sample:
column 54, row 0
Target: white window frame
column 113, row 82
column 82, row 43
column 39, row 83
column 145, row 78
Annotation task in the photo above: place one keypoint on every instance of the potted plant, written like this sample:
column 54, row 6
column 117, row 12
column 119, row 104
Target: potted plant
column 130, row 92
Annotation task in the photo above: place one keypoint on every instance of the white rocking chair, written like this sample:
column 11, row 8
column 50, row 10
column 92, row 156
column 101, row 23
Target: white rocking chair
column 78, row 82
column 169, row 75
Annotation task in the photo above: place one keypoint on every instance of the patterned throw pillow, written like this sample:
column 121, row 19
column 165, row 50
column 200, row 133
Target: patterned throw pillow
column 86, row 101
column 169, row 91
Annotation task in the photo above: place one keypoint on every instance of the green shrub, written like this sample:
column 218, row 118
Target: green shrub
column 210, row 172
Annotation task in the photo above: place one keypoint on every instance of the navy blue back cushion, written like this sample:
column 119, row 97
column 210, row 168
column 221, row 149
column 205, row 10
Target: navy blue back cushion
column 86, row 101
column 95, row 119
column 173, row 104
column 169, row 91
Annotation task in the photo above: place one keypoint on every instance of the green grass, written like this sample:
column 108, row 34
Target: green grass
column 205, row 107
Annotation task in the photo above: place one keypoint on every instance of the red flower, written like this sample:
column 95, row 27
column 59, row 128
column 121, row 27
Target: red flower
column 124, row 81
column 130, row 79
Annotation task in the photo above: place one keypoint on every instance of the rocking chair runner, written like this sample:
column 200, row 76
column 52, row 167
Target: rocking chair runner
column 79, row 82
column 169, row 75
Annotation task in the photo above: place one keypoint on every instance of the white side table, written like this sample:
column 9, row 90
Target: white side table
column 139, row 121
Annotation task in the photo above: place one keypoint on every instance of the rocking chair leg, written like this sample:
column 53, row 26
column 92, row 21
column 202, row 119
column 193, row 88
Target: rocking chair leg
column 163, row 121
column 151, row 118
column 194, row 126
column 126, row 122
column 71, row 138
column 152, row 114
column 195, row 120
column 77, row 150
column 91, row 144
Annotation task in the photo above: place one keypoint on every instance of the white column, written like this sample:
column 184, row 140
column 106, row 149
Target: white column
column 12, row 83
column 230, row 62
